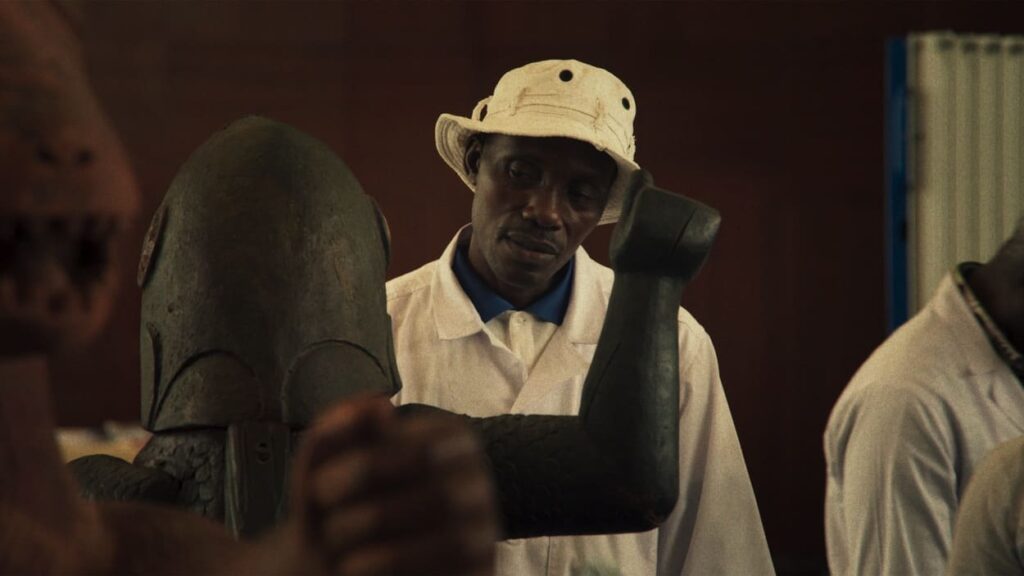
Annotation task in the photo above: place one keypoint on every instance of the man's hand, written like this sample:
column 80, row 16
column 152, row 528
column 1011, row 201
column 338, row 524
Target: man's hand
column 378, row 494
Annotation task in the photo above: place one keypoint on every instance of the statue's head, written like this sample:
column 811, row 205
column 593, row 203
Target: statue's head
column 263, row 285
column 66, row 188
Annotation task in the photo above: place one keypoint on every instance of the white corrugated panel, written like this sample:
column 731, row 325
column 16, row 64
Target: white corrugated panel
column 930, row 222
column 967, row 192
column 990, row 144
column 965, row 149
column 1013, row 123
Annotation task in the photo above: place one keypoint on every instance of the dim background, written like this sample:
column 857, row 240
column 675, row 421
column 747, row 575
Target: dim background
column 770, row 111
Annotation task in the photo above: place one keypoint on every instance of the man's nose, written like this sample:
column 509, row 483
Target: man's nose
column 542, row 208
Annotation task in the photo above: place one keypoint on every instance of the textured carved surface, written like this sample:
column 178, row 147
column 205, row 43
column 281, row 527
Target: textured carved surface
column 257, row 460
column 184, row 468
column 102, row 477
column 195, row 459
column 284, row 290
column 281, row 245
column 550, row 477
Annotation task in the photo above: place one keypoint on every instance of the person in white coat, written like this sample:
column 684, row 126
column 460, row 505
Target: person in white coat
column 906, row 435
column 507, row 320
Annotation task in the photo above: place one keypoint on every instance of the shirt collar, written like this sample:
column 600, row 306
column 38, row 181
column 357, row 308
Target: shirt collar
column 550, row 307
column 1002, row 345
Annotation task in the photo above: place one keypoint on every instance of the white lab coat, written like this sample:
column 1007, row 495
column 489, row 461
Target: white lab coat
column 447, row 359
column 989, row 536
column 905, row 436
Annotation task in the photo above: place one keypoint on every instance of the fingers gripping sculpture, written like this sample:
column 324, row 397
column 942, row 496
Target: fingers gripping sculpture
column 263, row 300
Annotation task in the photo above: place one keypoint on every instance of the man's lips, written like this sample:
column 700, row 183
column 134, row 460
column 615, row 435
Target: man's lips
column 532, row 243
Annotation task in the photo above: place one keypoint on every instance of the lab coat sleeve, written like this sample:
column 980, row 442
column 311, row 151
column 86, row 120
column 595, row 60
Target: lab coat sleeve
column 894, row 482
column 715, row 527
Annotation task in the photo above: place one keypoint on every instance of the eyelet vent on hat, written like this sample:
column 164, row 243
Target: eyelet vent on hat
column 625, row 103
column 565, row 75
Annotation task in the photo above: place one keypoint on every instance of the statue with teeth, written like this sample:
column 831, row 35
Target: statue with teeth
column 263, row 300
column 66, row 189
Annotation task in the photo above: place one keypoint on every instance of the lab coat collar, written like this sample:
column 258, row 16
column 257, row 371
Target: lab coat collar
column 979, row 357
column 562, row 359
column 587, row 306
column 453, row 311
column 550, row 307
column 980, row 360
column 456, row 317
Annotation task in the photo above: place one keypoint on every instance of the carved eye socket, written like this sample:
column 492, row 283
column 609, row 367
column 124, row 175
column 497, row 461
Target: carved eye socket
column 213, row 388
column 328, row 372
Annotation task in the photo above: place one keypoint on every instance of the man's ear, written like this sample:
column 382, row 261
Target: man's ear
column 471, row 159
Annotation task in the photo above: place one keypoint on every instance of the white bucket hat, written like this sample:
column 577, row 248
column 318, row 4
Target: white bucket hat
column 566, row 98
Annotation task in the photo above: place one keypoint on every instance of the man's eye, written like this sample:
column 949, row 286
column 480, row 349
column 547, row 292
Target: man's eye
column 583, row 192
column 522, row 172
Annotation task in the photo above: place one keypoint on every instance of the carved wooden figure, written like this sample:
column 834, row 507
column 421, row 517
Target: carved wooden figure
column 263, row 300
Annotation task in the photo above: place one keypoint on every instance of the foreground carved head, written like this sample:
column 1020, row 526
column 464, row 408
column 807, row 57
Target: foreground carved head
column 66, row 188
column 263, row 285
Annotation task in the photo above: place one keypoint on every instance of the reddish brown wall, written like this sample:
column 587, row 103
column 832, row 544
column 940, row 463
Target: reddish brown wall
column 771, row 112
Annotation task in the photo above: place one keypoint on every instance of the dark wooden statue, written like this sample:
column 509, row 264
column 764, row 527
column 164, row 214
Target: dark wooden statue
column 263, row 300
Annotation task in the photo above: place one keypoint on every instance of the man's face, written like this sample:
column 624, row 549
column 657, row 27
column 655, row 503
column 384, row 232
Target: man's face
column 536, row 200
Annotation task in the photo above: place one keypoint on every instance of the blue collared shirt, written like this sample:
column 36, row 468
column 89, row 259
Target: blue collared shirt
column 550, row 307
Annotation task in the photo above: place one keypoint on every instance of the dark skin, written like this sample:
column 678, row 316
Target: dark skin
column 999, row 285
column 536, row 200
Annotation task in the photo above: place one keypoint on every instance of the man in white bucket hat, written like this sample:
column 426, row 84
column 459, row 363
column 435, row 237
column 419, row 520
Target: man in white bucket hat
column 507, row 320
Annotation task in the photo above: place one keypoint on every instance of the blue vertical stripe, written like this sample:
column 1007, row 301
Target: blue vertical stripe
column 896, row 142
